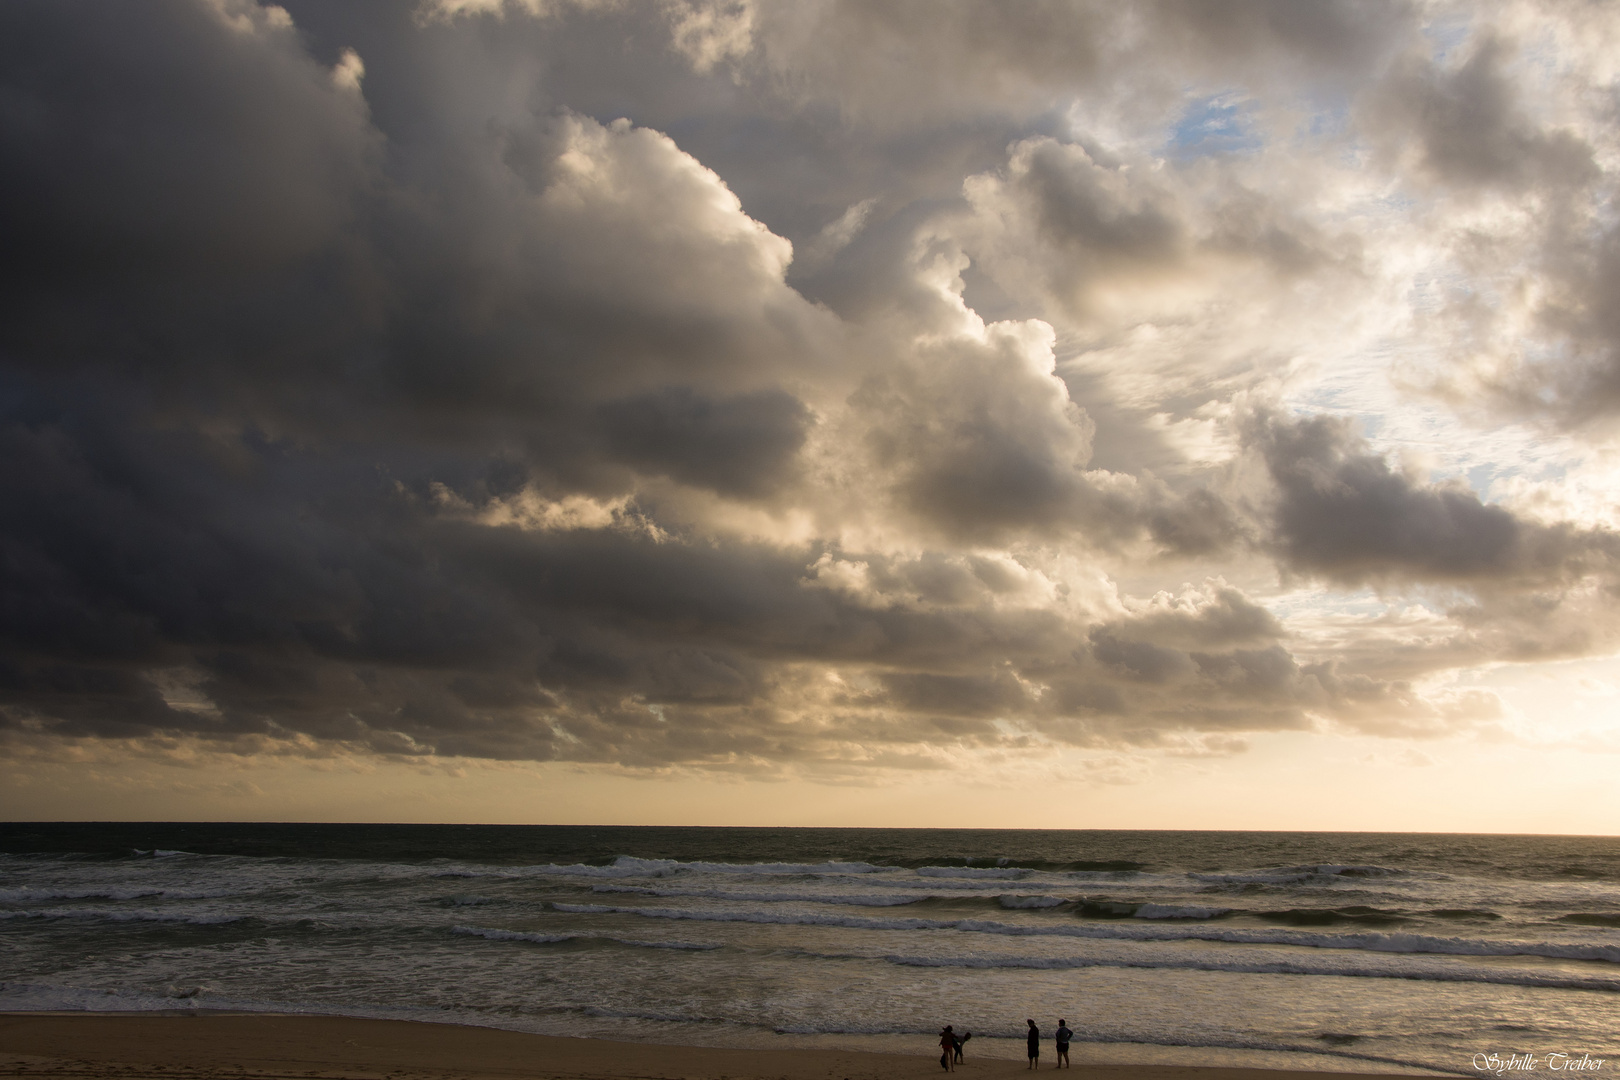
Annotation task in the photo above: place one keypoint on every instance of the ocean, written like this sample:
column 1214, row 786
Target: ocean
column 1340, row 951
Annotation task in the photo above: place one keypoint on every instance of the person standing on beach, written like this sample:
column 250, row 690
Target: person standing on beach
column 948, row 1049
column 1062, row 1035
column 1034, row 1045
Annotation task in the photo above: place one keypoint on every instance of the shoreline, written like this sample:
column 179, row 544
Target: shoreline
column 189, row 1044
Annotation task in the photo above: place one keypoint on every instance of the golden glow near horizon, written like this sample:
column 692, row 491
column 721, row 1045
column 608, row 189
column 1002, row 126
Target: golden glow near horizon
column 685, row 413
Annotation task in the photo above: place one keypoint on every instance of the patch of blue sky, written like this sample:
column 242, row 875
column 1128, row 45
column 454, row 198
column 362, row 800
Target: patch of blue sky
column 1329, row 121
column 1447, row 33
column 1481, row 476
column 1319, row 607
column 1398, row 419
column 1215, row 125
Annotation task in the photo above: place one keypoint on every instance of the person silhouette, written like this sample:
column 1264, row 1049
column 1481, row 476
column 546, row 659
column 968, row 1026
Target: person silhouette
column 1034, row 1045
column 948, row 1049
column 961, row 1041
column 1063, row 1035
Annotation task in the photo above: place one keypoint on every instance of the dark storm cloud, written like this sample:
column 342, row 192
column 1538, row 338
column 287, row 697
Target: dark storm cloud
column 370, row 386
column 214, row 213
column 290, row 597
column 166, row 138
column 1344, row 513
column 737, row 446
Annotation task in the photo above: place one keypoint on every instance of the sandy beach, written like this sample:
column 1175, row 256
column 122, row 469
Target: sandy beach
column 202, row 1044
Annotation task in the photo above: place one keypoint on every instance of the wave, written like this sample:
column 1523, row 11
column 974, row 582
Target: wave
column 1107, row 909
column 997, row 873
column 949, row 886
column 493, row 934
column 1117, row 909
column 1009, row 900
column 625, row 866
column 1581, row 870
column 1296, row 875
column 46, row 895
column 908, row 898
column 1364, row 916
column 1178, row 911
column 1354, row 915
column 1266, row 967
column 1591, row 919
column 1370, row 942
column 145, row 915
column 774, row 896
column 1109, row 866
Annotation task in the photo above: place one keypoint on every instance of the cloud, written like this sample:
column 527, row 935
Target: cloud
column 1465, row 126
column 1551, row 354
column 696, row 387
column 1343, row 512
column 966, row 60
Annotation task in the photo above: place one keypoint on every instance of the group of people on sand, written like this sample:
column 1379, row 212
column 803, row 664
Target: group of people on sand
column 950, row 1045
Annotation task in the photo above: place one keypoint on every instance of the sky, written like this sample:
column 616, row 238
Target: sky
column 1079, row 415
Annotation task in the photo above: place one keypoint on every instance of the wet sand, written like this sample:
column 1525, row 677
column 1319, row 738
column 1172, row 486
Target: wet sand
column 193, row 1046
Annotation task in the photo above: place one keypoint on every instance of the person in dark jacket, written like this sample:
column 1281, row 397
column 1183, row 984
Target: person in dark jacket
column 1063, row 1035
column 1034, row 1045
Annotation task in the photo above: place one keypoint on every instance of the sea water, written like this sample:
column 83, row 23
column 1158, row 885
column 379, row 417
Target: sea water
column 1360, row 952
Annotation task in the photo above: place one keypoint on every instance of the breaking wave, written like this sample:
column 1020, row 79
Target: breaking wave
column 1370, row 942
column 494, row 934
